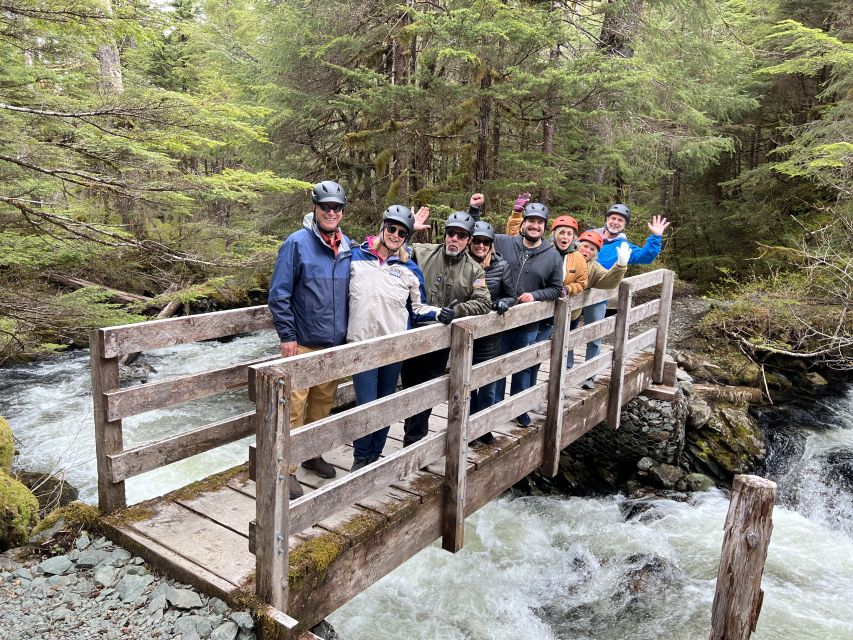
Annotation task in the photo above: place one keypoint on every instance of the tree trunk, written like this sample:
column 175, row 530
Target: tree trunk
column 112, row 81
column 481, row 162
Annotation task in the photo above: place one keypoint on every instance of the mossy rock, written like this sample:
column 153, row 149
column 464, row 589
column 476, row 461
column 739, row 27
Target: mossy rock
column 719, row 361
column 730, row 443
column 19, row 510
column 76, row 514
column 7, row 445
column 51, row 492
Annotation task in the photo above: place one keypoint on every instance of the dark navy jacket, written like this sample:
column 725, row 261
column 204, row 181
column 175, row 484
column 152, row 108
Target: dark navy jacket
column 309, row 291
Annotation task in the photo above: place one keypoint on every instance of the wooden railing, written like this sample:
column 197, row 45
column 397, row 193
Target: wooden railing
column 271, row 379
column 278, row 447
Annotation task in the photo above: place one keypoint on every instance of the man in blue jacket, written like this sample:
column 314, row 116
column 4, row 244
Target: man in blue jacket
column 309, row 302
column 615, row 220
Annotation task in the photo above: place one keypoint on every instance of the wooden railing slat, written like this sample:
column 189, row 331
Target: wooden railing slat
column 108, row 433
column 620, row 341
column 665, row 303
column 556, row 376
column 133, row 462
column 131, row 338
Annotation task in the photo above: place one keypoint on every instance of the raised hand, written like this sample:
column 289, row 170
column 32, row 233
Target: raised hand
column 421, row 217
column 623, row 254
column 658, row 225
column 477, row 200
column 521, row 201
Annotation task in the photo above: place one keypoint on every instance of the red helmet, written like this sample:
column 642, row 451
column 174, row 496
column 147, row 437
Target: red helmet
column 593, row 237
column 565, row 221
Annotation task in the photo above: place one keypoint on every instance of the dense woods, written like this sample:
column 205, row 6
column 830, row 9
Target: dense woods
column 164, row 148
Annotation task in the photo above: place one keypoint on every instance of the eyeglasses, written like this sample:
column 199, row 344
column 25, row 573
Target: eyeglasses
column 462, row 235
column 400, row 232
column 337, row 207
column 478, row 240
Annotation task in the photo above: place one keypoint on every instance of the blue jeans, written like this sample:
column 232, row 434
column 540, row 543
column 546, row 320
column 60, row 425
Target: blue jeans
column 519, row 338
column 592, row 313
column 546, row 330
column 484, row 397
column 368, row 386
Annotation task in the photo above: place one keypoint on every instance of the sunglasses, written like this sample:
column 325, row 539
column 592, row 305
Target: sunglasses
column 462, row 235
column 400, row 232
column 331, row 206
column 477, row 240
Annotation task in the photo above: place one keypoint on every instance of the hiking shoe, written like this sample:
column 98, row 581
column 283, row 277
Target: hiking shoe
column 320, row 467
column 588, row 384
column 487, row 438
column 358, row 463
column 295, row 488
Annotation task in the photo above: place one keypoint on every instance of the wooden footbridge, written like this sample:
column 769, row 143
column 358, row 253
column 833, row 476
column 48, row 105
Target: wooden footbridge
column 237, row 535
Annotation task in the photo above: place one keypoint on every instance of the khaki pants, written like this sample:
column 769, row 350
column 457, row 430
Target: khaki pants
column 313, row 403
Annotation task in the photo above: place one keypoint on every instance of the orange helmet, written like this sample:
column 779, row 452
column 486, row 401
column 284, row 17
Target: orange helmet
column 593, row 237
column 565, row 221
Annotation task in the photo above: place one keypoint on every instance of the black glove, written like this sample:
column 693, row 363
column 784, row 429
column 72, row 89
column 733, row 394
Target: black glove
column 446, row 315
column 501, row 306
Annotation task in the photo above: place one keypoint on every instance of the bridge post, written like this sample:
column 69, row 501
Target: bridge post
column 749, row 523
column 456, row 460
column 272, row 503
column 663, row 325
column 620, row 342
column 556, row 377
column 108, row 433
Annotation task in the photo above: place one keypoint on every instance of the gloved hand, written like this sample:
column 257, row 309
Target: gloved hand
column 446, row 315
column 521, row 202
column 501, row 306
column 623, row 254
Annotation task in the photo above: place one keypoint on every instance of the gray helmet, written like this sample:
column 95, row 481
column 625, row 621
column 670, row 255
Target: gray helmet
column 619, row 209
column 328, row 191
column 460, row 220
column 483, row 229
column 399, row 213
column 536, row 210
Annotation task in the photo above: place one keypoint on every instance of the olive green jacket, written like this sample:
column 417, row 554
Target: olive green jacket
column 447, row 279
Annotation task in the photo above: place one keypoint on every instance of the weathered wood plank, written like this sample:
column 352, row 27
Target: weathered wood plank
column 156, row 395
column 517, row 316
column 154, row 455
column 130, row 338
column 345, row 491
column 645, row 280
column 557, row 375
column 749, row 523
column 207, row 544
column 663, row 324
column 509, row 363
column 456, row 457
column 272, row 493
column 504, row 411
column 108, row 433
column 227, row 507
column 620, row 342
column 324, row 435
column 660, row 392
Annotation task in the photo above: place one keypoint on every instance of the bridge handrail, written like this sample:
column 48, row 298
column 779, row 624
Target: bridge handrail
column 113, row 403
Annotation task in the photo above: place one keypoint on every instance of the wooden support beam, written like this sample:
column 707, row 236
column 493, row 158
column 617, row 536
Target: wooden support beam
column 663, row 325
column 108, row 433
column 620, row 342
column 272, row 496
column 556, row 377
column 456, row 460
column 749, row 523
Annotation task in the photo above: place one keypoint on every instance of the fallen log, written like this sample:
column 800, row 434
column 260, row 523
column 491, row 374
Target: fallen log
column 79, row 283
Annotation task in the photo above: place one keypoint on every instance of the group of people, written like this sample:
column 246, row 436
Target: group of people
column 326, row 291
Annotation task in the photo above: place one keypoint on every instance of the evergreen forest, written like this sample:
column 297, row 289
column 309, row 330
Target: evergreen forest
column 164, row 148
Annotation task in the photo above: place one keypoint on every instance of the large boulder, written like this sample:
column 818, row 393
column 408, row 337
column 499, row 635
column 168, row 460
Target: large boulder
column 51, row 492
column 730, row 443
column 18, row 512
column 7, row 445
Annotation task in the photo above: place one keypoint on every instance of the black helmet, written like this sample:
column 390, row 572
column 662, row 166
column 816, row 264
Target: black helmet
column 460, row 220
column 483, row 229
column 536, row 210
column 328, row 191
column 399, row 213
column 619, row 209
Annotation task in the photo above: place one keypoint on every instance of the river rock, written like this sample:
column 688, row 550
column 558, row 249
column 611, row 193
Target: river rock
column 816, row 379
column 131, row 586
column 698, row 482
column 226, row 631
column 698, row 413
column 243, row 620
column 183, row 598
column 838, row 468
column 730, row 443
column 51, row 492
column 56, row 566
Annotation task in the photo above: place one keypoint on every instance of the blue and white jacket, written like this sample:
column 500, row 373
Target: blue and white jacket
column 639, row 255
column 309, row 290
column 385, row 297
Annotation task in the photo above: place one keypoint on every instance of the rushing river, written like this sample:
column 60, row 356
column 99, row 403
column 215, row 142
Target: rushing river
column 532, row 567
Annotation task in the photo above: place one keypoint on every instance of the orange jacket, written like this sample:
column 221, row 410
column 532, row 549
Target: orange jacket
column 575, row 275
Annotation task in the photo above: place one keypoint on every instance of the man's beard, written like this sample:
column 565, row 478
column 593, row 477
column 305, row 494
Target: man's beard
column 452, row 252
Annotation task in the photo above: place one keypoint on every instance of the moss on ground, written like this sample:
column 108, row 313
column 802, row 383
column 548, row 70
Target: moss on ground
column 7, row 445
column 19, row 510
